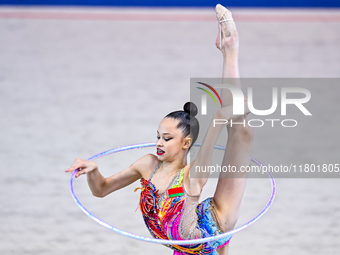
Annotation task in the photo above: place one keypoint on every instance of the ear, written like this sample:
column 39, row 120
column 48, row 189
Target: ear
column 187, row 143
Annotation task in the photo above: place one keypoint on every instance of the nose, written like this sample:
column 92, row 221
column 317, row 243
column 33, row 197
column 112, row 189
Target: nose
column 159, row 142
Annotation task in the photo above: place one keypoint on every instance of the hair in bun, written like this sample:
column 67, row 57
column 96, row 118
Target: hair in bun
column 187, row 121
column 190, row 108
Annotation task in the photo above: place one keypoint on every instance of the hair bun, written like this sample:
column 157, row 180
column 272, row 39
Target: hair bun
column 190, row 108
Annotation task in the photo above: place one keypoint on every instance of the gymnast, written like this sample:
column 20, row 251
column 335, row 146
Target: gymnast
column 169, row 199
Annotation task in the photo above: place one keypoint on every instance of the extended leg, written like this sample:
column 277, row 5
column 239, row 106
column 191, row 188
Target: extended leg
column 228, row 42
column 231, row 185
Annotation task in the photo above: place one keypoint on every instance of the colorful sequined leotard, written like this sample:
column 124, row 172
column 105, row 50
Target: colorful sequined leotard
column 170, row 215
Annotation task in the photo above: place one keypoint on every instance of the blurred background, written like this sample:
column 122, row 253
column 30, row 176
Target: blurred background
column 178, row 3
column 81, row 77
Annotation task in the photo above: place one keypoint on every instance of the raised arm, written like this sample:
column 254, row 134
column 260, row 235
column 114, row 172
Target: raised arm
column 205, row 153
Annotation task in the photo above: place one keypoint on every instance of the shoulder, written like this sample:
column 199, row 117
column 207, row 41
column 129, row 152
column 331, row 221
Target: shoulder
column 146, row 164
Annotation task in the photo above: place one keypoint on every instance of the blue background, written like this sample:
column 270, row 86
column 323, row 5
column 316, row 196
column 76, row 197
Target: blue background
column 181, row 3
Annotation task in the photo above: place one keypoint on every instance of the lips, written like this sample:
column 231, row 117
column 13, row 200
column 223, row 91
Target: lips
column 160, row 152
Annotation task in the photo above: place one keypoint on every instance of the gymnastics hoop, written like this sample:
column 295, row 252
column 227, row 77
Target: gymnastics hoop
column 162, row 241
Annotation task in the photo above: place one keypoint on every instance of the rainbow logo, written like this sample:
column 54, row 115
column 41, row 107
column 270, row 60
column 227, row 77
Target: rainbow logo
column 204, row 98
column 213, row 90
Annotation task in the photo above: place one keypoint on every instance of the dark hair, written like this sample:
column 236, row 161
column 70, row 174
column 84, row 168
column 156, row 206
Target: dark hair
column 187, row 121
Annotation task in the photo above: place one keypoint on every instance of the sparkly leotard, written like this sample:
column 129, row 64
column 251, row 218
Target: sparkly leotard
column 172, row 217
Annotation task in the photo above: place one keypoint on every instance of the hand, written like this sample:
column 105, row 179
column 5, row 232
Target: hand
column 227, row 112
column 84, row 166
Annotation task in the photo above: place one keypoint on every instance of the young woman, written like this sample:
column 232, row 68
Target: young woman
column 169, row 197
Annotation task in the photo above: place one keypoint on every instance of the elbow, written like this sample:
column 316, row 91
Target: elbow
column 98, row 194
column 248, row 134
column 245, row 134
column 102, row 193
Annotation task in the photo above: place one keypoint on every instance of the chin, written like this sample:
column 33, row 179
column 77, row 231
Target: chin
column 160, row 157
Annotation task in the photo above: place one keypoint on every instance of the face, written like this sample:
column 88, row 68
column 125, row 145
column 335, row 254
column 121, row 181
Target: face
column 170, row 142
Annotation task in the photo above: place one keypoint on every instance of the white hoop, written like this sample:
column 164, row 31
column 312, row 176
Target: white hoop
column 162, row 241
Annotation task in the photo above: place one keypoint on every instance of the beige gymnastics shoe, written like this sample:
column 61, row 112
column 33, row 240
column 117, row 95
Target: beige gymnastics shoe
column 220, row 11
column 224, row 15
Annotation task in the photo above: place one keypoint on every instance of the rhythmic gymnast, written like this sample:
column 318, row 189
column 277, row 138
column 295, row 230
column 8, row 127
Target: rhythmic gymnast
column 169, row 197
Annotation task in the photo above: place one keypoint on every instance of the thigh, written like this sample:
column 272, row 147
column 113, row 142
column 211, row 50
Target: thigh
column 208, row 222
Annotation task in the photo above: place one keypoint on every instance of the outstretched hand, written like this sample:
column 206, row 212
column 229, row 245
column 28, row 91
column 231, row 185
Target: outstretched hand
column 84, row 166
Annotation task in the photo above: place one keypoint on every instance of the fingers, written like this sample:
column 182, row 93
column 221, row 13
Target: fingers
column 83, row 166
column 80, row 172
column 76, row 164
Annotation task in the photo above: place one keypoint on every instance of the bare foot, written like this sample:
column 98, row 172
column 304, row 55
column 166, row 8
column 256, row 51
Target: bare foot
column 226, row 30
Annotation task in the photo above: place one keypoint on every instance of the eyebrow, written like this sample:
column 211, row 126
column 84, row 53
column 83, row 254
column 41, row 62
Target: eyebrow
column 164, row 133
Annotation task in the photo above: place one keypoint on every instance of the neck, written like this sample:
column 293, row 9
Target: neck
column 174, row 166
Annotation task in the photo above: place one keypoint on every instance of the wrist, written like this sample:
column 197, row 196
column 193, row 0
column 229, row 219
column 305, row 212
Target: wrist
column 224, row 113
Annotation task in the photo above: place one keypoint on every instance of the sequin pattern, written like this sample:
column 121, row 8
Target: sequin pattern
column 162, row 217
